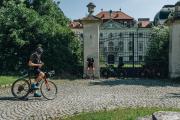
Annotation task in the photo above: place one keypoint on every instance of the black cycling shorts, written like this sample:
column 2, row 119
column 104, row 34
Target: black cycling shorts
column 36, row 71
column 90, row 65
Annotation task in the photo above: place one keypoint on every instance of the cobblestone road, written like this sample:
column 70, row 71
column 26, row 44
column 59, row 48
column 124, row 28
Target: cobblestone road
column 87, row 95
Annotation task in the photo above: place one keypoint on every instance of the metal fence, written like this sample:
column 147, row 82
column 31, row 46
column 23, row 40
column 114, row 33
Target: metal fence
column 126, row 50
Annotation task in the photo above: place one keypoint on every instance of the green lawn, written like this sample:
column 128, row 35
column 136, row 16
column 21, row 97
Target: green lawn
column 118, row 114
column 7, row 79
column 124, row 66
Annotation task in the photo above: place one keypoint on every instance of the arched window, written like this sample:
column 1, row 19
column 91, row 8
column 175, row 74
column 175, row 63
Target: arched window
column 110, row 59
column 121, row 46
column 110, row 46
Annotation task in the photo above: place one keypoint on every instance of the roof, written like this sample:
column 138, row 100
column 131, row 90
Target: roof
column 144, row 22
column 74, row 25
column 90, row 17
column 178, row 3
column 116, row 15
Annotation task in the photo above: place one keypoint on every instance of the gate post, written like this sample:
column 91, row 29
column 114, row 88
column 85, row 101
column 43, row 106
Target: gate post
column 174, row 43
column 91, row 39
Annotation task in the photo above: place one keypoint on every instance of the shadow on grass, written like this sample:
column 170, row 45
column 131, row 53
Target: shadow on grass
column 138, row 82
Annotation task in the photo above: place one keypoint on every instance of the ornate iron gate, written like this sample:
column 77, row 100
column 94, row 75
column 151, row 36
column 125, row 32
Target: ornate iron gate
column 126, row 50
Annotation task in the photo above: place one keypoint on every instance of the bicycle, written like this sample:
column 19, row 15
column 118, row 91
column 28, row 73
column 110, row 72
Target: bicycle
column 21, row 88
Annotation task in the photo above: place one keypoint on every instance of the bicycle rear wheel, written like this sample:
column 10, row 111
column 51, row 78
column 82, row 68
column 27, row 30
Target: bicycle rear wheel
column 48, row 90
column 20, row 88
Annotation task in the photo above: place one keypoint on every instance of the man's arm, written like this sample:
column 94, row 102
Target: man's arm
column 31, row 64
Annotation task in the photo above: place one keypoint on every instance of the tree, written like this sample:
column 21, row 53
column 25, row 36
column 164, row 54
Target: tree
column 23, row 27
column 157, row 54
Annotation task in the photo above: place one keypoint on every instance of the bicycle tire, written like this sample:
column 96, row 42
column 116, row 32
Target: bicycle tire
column 54, row 95
column 20, row 88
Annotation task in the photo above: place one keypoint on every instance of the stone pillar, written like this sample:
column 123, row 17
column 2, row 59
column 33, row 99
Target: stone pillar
column 174, row 49
column 91, row 39
column 91, row 45
column 174, row 43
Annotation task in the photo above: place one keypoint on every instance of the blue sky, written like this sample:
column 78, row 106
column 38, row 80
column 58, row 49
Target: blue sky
column 75, row 9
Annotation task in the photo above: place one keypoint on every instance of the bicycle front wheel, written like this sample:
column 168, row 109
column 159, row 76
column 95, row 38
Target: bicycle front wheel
column 48, row 90
column 20, row 88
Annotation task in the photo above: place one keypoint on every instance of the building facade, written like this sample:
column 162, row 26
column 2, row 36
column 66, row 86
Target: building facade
column 121, row 37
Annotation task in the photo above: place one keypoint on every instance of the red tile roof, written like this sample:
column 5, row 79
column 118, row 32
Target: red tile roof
column 143, row 22
column 116, row 15
column 74, row 25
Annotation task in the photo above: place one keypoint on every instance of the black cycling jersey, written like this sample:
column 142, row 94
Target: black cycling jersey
column 90, row 62
column 35, row 58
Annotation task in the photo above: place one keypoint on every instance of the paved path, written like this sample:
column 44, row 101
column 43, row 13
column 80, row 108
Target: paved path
column 87, row 95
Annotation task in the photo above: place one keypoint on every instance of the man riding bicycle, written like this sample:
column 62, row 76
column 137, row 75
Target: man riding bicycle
column 35, row 63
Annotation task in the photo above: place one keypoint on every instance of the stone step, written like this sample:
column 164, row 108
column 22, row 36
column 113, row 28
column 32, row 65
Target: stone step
column 162, row 115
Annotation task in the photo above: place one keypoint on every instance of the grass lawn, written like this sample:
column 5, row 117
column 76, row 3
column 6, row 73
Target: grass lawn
column 118, row 114
column 7, row 79
column 124, row 66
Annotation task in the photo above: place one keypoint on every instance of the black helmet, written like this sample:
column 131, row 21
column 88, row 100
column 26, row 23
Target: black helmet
column 39, row 50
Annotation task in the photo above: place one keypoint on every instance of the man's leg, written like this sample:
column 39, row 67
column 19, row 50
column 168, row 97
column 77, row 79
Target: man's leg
column 40, row 77
column 36, row 84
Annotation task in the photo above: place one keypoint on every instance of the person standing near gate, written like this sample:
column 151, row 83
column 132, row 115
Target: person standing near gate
column 90, row 65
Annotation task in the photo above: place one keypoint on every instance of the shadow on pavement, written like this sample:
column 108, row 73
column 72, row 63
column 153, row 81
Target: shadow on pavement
column 136, row 81
column 25, row 99
column 172, row 95
column 11, row 99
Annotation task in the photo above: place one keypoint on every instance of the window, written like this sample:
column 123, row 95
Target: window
column 105, row 49
column 130, row 45
column 140, row 58
column 131, row 34
column 81, row 35
column 130, row 58
column 121, row 46
column 120, row 35
column 101, row 44
column 140, row 46
column 140, row 35
column 110, row 59
column 110, row 46
column 101, row 35
column 110, row 35
column 120, row 59
column 116, row 49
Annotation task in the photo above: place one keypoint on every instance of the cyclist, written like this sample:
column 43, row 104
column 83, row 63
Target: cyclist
column 35, row 63
column 90, row 65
